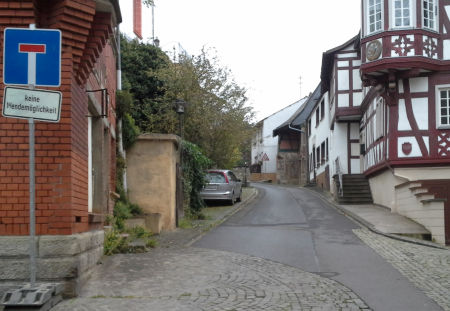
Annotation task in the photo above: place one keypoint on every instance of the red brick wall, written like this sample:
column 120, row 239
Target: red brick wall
column 61, row 148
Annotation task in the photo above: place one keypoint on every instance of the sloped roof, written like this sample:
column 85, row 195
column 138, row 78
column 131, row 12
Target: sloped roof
column 302, row 113
column 328, row 60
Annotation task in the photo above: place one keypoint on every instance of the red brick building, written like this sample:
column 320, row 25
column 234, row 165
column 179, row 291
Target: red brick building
column 75, row 158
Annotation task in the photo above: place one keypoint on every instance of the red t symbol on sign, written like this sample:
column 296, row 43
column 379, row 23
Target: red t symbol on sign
column 32, row 50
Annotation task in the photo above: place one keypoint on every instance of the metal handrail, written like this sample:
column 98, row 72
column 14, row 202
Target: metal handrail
column 337, row 163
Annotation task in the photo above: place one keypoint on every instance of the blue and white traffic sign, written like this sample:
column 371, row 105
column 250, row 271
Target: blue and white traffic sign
column 32, row 57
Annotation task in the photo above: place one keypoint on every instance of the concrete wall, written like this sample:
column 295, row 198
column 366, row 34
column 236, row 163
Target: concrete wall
column 430, row 215
column 399, row 191
column 151, row 176
column 383, row 189
column 272, row 177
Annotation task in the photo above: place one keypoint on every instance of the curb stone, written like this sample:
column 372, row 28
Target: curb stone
column 233, row 211
column 362, row 222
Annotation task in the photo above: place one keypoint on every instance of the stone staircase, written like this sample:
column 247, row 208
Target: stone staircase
column 356, row 189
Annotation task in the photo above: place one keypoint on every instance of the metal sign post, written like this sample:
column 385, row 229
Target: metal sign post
column 32, row 57
column 32, row 82
column 32, row 205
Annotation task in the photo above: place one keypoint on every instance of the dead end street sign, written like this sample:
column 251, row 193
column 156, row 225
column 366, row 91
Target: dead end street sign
column 36, row 104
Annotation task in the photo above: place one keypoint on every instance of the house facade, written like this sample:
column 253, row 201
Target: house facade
column 384, row 113
column 75, row 157
column 291, row 155
column 265, row 146
column 405, row 127
column 333, row 125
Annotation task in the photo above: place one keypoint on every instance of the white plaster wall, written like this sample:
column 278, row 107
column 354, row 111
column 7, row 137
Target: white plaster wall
column 343, row 100
column 415, row 150
column 424, row 173
column 338, row 146
column 383, row 189
column 420, row 111
column 269, row 144
column 320, row 133
column 343, row 80
column 419, row 84
column 446, row 49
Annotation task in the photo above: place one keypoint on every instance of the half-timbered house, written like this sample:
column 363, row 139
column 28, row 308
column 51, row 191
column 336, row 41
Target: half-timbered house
column 405, row 124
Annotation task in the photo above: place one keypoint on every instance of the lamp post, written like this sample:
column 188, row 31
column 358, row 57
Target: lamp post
column 180, row 106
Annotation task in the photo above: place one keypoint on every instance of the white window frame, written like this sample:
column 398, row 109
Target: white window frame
column 439, row 88
column 369, row 32
column 393, row 9
column 435, row 15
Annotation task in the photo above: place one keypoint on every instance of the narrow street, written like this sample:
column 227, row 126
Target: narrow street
column 286, row 250
column 295, row 227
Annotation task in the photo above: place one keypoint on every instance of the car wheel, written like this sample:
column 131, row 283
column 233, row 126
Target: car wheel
column 239, row 198
column 232, row 199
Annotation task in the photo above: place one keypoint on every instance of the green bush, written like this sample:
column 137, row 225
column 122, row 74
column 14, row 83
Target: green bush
column 130, row 131
column 114, row 243
column 194, row 165
column 118, row 240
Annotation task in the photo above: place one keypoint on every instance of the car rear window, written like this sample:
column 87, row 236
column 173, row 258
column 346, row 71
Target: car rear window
column 215, row 177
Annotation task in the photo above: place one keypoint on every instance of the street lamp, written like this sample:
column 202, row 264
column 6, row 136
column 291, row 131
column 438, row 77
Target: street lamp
column 180, row 106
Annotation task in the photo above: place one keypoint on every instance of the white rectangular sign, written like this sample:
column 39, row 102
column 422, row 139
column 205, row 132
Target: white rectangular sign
column 36, row 104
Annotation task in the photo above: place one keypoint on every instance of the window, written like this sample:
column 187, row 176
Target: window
column 375, row 15
column 322, row 153
column 429, row 14
column 322, row 109
column 326, row 150
column 309, row 127
column 402, row 13
column 318, row 157
column 379, row 118
column 317, row 117
column 443, row 109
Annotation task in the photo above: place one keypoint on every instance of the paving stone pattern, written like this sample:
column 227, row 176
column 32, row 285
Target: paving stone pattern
column 198, row 279
column 428, row 268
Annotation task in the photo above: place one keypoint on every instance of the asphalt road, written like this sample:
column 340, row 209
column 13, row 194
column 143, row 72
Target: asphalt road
column 294, row 226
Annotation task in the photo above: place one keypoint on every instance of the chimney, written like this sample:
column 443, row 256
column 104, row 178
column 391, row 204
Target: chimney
column 137, row 18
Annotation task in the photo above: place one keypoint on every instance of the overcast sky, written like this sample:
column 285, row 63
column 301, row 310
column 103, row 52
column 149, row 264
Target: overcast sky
column 267, row 45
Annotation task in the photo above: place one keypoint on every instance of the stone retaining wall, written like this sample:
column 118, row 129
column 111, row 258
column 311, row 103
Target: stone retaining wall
column 66, row 259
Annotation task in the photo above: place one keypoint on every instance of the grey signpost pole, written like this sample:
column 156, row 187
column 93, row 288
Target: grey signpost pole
column 41, row 105
column 32, row 83
column 32, row 205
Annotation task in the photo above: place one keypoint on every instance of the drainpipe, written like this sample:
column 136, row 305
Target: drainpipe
column 119, row 121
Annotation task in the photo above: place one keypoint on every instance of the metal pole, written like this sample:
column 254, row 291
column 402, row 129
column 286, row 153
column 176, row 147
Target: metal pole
column 32, row 205
column 31, row 86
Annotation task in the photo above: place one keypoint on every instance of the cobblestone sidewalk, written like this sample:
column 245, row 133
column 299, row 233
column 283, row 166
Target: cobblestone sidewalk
column 199, row 279
column 428, row 268
column 214, row 216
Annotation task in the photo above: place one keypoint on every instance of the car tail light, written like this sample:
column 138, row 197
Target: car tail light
column 226, row 178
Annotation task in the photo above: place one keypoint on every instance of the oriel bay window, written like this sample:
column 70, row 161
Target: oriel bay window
column 402, row 13
column 374, row 15
column 429, row 14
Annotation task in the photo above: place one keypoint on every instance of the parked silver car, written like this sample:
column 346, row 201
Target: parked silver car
column 222, row 185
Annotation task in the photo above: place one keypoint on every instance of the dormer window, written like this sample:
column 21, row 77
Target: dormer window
column 402, row 13
column 429, row 14
column 375, row 15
